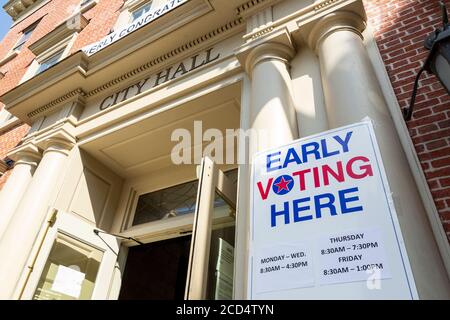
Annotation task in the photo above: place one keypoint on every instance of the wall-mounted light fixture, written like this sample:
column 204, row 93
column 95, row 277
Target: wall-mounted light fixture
column 437, row 62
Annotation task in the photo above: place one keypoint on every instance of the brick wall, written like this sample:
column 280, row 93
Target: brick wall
column 9, row 140
column 102, row 18
column 401, row 27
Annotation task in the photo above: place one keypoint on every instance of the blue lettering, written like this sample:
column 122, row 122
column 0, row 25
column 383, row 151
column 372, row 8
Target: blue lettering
column 295, row 158
column 270, row 161
column 298, row 208
column 344, row 143
column 315, row 150
column 344, row 200
column 123, row 33
column 284, row 212
column 329, row 204
column 325, row 152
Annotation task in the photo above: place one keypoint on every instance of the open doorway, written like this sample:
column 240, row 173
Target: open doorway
column 156, row 271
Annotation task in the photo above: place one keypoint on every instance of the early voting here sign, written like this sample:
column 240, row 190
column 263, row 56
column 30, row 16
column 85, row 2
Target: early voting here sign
column 323, row 223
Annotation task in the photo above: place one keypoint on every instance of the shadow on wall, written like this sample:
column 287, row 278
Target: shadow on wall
column 309, row 101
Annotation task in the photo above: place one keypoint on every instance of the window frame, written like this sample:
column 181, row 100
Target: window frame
column 78, row 229
column 138, row 8
column 59, row 55
column 7, row 120
column 165, row 228
column 18, row 46
column 65, row 45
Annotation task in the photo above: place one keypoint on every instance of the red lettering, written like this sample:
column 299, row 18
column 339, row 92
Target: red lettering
column 301, row 177
column 365, row 169
column 316, row 177
column 338, row 176
column 262, row 192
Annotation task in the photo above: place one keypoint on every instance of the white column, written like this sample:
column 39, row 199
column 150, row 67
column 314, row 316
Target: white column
column 27, row 159
column 272, row 112
column 22, row 231
column 352, row 93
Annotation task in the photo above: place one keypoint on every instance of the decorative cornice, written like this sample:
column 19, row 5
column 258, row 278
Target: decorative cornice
column 324, row 4
column 189, row 45
column 277, row 45
column 250, row 7
column 27, row 153
column 152, row 63
column 52, row 104
column 15, row 7
column 59, row 140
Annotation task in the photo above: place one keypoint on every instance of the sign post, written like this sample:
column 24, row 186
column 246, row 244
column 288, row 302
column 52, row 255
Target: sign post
column 323, row 223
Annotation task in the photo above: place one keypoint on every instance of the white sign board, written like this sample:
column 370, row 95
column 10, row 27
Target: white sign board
column 323, row 223
column 150, row 16
column 68, row 281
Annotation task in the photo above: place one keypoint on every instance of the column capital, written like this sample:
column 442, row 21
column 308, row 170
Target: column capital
column 333, row 22
column 27, row 153
column 59, row 141
column 277, row 46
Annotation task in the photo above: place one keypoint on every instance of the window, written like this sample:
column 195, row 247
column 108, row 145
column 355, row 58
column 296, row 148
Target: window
column 49, row 62
column 84, row 2
column 141, row 11
column 70, row 271
column 26, row 34
column 5, row 116
column 86, row 5
column 173, row 202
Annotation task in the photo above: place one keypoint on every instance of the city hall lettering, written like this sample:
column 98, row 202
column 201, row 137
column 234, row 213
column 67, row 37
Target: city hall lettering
column 313, row 177
column 170, row 73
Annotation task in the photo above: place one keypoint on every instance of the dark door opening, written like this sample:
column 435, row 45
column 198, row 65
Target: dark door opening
column 156, row 271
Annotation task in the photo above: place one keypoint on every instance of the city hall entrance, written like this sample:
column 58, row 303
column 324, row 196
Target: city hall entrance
column 186, row 264
column 126, row 183
column 158, row 271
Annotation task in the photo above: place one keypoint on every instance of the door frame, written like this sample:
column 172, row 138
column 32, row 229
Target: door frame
column 78, row 229
column 211, row 181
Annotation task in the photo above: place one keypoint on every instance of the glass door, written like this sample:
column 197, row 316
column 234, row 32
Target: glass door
column 72, row 262
column 211, row 260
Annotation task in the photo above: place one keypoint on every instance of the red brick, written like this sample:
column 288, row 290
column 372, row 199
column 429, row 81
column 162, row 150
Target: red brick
column 102, row 18
column 436, row 144
column 445, row 182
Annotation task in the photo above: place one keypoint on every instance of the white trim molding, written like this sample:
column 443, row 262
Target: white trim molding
column 15, row 8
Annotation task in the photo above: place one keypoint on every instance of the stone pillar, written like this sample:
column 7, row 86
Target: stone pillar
column 352, row 93
column 272, row 112
column 23, row 229
column 27, row 158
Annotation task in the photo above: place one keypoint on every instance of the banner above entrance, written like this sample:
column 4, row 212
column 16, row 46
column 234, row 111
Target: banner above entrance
column 137, row 24
column 324, row 224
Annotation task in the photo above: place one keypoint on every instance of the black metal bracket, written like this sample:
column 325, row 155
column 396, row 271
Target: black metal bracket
column 96, row 231
column 429, row 44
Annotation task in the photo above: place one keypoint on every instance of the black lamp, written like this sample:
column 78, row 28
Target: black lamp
column 437, row 62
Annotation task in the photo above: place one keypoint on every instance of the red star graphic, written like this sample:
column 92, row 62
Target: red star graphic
column 283, row 184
